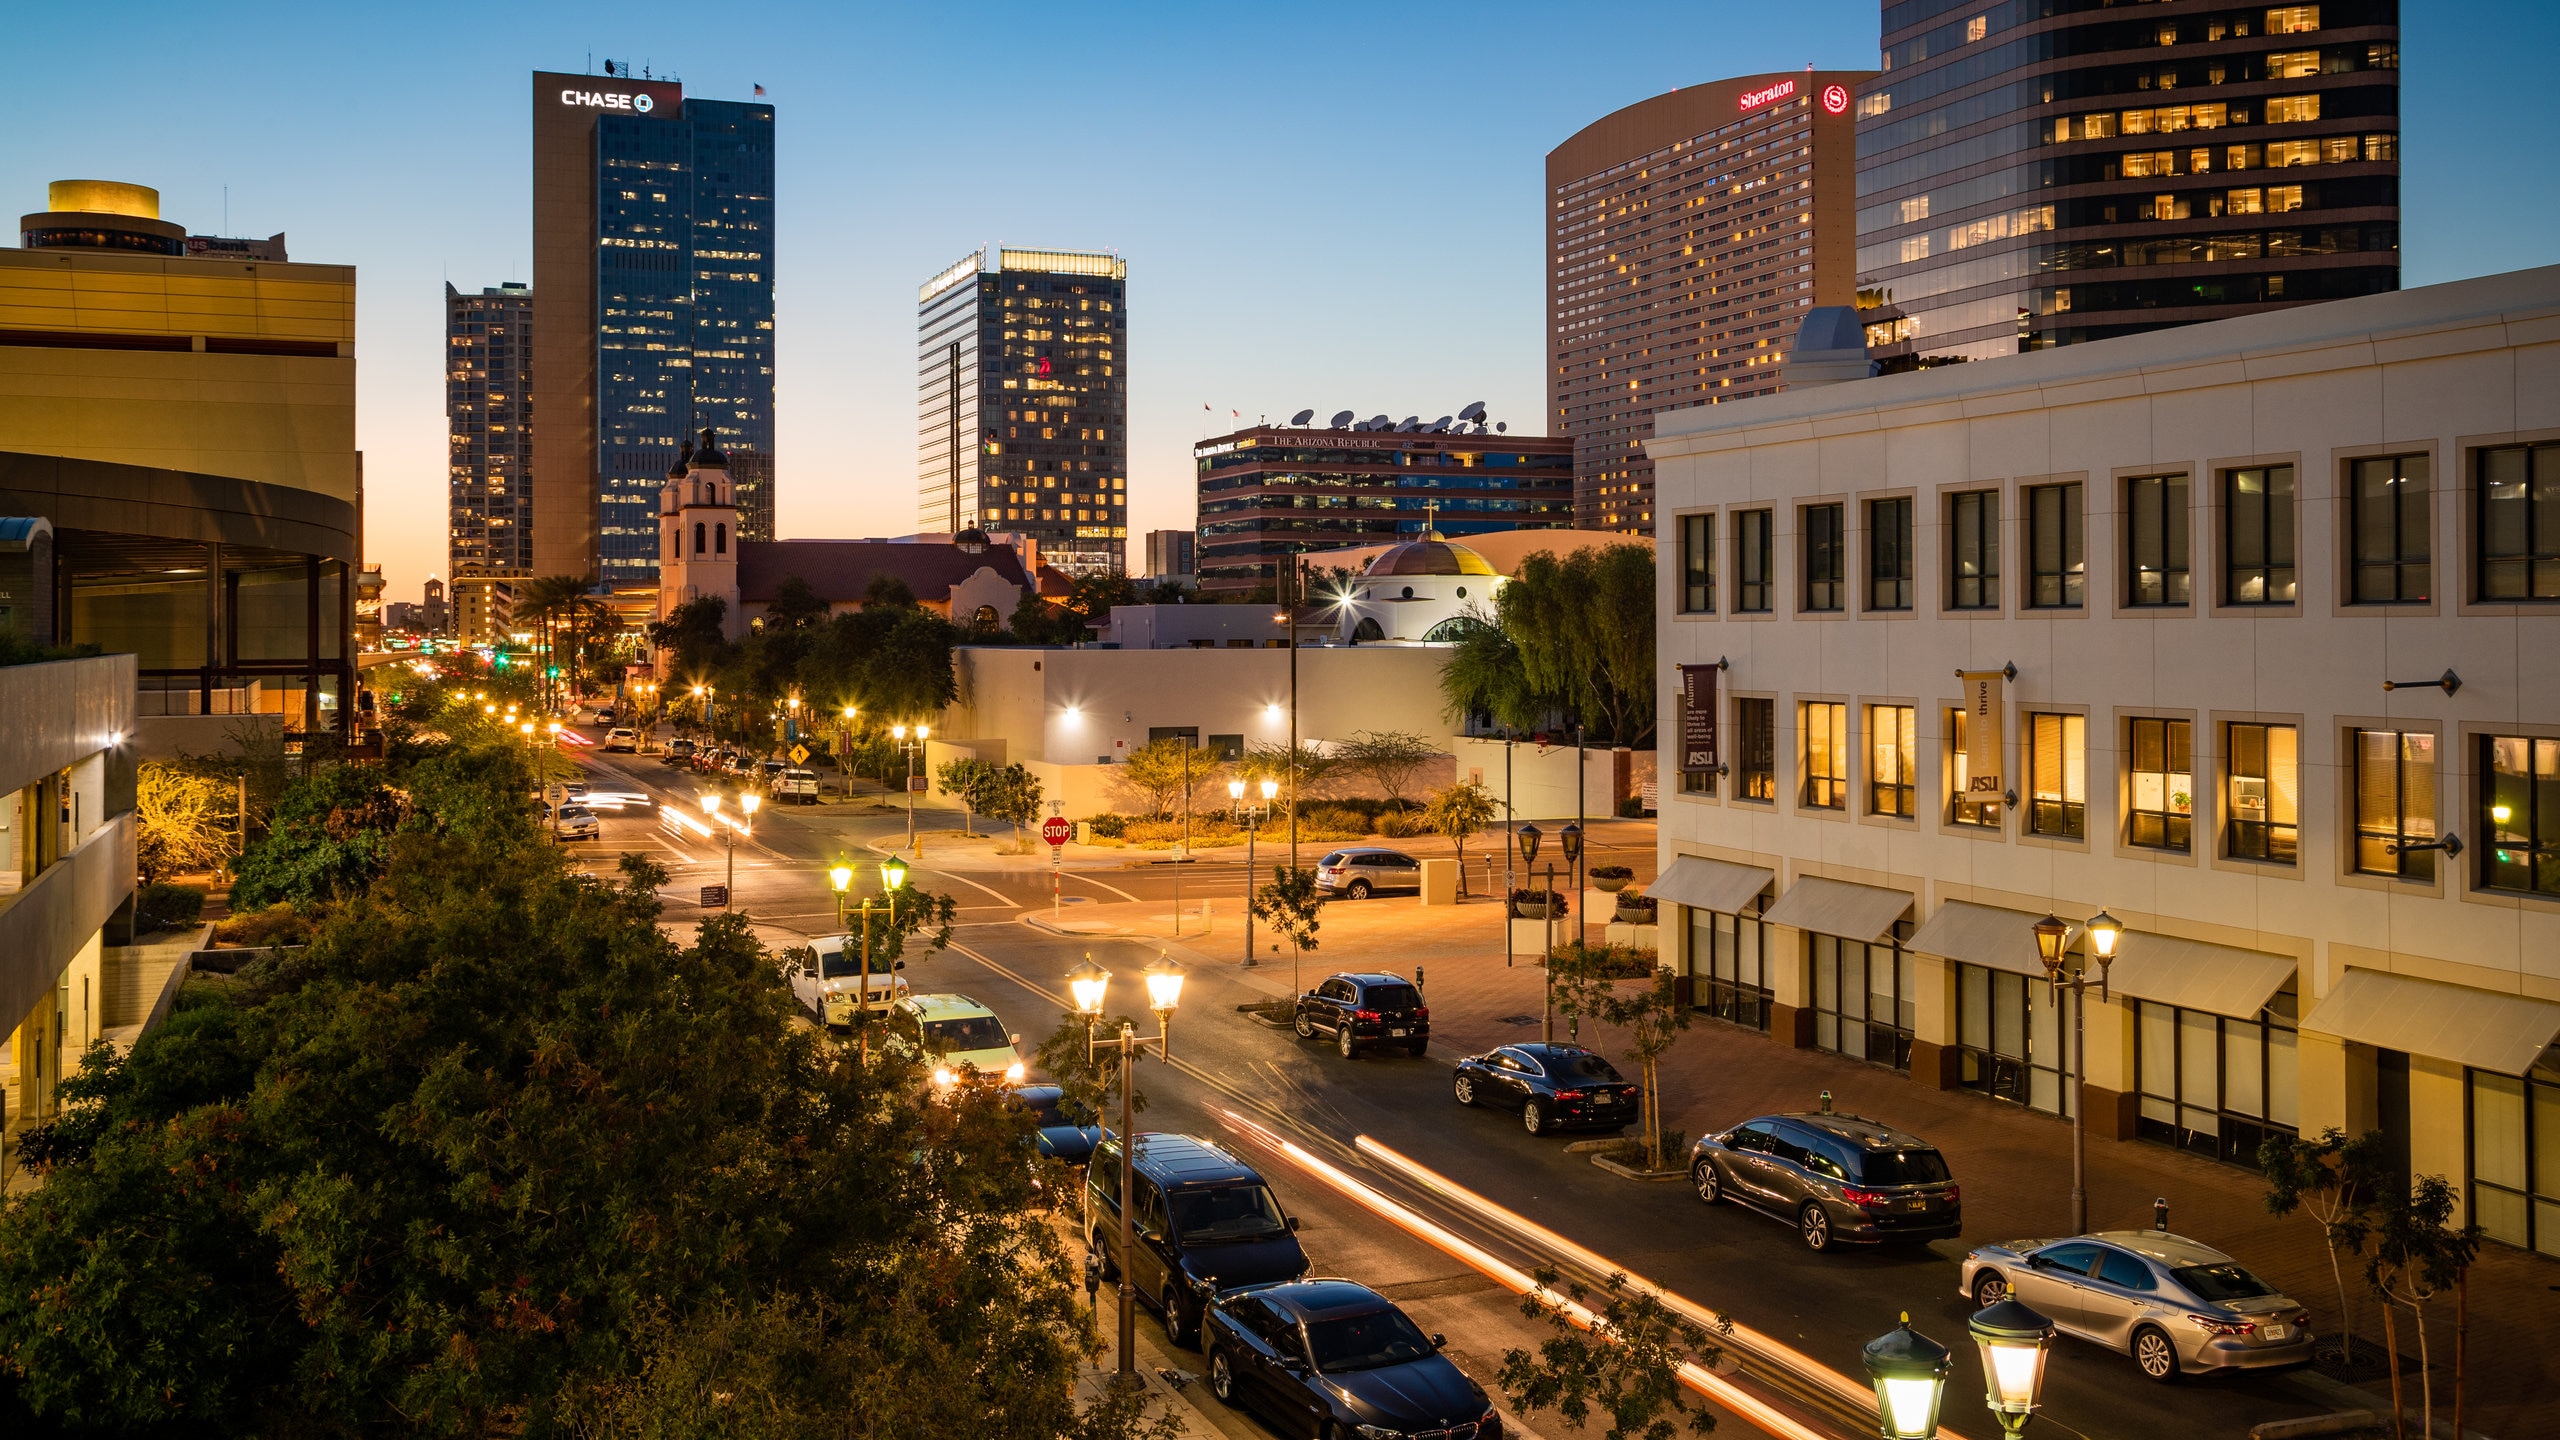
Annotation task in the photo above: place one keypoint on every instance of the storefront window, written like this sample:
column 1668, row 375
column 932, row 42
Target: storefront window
column 2216, row 1085
column 1863, row 999
column 2515, row 1157
column 2010, row 1039
column 1728, row 966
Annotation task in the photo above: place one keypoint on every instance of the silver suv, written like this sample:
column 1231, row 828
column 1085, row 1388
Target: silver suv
column 2175, row 1306
column 1362, row 871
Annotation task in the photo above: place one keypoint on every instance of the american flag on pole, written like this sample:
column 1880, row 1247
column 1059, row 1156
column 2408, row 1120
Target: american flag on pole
column 759, row 90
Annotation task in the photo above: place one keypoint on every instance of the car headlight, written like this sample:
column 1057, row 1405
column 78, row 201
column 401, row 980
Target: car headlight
column 1381, row 1432
column 1014, row 1072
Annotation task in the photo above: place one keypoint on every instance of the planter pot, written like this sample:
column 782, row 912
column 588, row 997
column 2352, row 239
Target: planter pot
column 1638, row 913
column 1612, row 883
column 1528, row 909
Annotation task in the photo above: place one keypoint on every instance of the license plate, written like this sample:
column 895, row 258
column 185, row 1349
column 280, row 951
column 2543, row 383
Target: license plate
column 2279, row 1332
column 1917, row 1204
column 1397, row 1034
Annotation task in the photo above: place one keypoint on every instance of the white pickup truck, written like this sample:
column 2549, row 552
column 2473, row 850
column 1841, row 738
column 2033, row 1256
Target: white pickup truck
column 827, row 984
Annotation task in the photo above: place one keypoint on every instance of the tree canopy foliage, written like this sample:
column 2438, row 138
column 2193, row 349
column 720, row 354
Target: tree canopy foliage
column 1570, row 642
column 497, row 1153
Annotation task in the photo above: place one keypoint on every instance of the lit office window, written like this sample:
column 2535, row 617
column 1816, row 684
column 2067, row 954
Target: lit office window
column 2521, row 815
column 2395, row 802
column 2264, row 793
column 1824, row 728
column 2162, row 806
column 1893, row 734
column 2058, row 776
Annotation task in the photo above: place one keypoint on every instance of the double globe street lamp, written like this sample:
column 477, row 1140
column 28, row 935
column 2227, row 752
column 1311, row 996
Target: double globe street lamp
column 1910, row 1370
column 2068, row 970
column 728, row 834
column 1087, row 983
column 893, row 877
column 1251, row 815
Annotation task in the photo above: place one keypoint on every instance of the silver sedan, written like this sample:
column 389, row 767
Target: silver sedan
column 2177, row 1307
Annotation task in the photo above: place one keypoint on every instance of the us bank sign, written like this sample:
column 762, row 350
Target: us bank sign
column 608, row 100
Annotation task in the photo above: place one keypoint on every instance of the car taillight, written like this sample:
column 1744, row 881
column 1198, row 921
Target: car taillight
column 2211, row 1326
column 1864, row 1199
column 2302, row 1321
column 1369, row 1015
column 1954, row 1193
column 1570, row 1094
column 1422, row 1012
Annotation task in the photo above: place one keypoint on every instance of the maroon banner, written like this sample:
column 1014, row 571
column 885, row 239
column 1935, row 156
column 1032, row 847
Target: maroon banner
column 1698, row 718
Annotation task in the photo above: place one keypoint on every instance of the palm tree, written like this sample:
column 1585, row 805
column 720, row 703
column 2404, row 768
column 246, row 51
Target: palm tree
column 562, row 603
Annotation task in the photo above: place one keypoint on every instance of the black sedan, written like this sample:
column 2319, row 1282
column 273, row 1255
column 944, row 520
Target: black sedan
column 1550, row 1087
column 1331, row 1358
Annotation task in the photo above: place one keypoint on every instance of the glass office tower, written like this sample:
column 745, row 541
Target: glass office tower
column 1022, row 412
column 488, row 403
column 684, row 316
column 2035, row 173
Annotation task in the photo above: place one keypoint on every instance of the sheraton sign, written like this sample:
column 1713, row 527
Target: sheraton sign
column 1768, row 95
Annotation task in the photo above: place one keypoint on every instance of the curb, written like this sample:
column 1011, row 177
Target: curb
column 1075, row 929
column 1616, row 1167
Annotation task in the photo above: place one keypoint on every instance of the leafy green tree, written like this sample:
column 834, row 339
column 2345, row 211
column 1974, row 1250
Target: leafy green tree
column 2333, row 1180
column 1012, row 796
column 1459, row 812
column 1312, row 770
column 1576, row 639
column 496, row 1153
column 1036, row 622
column 888, row 592
column 1621, row 1361
column 1484, row 675
column 2416, row 1254
column 1587, row 982
column 909, row 674
column 695, row 634
column 330, row 838
column 1168, row 772
column 1289, row 903
column 795, row 605
column 183, row 819
column 967, row 778
column 1387, row 759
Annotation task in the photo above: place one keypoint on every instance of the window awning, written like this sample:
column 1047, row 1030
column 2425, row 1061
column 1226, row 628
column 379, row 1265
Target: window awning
column 1982, row 935
column 2479, row 1028
column 2220, row 979
column 1837, row 907
column 1703, row 884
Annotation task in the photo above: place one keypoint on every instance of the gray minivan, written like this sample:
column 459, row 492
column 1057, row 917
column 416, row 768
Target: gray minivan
column 1838, row 1178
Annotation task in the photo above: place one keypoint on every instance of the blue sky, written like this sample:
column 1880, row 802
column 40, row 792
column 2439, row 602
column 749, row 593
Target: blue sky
column 1332, row 206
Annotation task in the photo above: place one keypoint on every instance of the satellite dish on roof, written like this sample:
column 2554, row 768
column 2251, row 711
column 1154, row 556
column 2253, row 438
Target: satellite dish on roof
column 1499, row 425
column 1380, row 422
column 1472, row 412
column 1409, row 424
column 1345, row 418
column 1441, row 425
column 1302, row 417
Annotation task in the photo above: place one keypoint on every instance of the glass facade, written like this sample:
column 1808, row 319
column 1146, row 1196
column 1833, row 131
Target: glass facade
column 2010, row 1039
column 2043, row 172
column 684, row 315
column 2217, row 1085
column 1022, row 409
column 2515, row 1157
column 1728, row 966
column 1864, row 998
column 488, row 406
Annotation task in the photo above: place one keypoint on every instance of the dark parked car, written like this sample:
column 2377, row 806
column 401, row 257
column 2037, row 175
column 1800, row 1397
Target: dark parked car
column 1067, row 1130
column 1363, row 870
column 1836, row 1177
column 1359, row 1011
column 1550, row 1087
column 1331, row 1358
column 1203, row 1222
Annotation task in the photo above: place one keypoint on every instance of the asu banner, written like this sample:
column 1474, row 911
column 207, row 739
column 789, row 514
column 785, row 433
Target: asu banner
column 1698, row 719
column 1982, row 723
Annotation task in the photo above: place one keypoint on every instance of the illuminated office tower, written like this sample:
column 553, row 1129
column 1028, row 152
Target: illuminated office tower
column 1023, row 404
column 488, row 404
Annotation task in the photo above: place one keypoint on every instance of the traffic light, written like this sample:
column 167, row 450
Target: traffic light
column 498, row 661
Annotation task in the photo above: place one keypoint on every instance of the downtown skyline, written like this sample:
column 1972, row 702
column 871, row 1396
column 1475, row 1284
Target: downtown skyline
column 869, row 197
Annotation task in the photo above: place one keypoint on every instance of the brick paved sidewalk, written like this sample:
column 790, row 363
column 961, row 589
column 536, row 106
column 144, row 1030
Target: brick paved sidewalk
column 2015, row 1165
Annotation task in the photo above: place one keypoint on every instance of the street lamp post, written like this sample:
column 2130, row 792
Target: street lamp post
column 893, row 875
column 2052, row 935
column 1570, row 837
column 1529, row 837
column 1251, row 815
column 899, row 733
column 546, row 784
column 711, row 812
column 2014, row 1342
column 1164, row 990
column 1910, row 1374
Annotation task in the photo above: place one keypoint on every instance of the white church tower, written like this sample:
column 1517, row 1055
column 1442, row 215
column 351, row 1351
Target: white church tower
column 698, row 534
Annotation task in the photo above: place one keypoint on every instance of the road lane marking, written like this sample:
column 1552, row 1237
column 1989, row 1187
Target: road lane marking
column 1706, row 1382
column 1105, row 884
column 1009, row 904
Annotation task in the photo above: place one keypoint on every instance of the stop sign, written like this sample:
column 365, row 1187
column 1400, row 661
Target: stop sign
column 1055, row 830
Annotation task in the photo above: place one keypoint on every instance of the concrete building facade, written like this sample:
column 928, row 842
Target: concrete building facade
column 2231, row 632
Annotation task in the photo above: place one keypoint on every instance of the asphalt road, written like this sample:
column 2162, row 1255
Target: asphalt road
column 1726, row 1259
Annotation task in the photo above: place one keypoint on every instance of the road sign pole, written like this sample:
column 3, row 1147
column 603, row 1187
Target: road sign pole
column 1056, row 830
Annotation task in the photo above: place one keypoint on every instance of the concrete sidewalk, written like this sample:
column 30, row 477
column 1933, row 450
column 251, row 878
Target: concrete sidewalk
column 2015, row 1165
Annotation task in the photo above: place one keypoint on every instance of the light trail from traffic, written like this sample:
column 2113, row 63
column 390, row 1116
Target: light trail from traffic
column 1706, row 1382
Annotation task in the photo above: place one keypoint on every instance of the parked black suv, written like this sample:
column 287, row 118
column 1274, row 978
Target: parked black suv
column 1204, row 1222
column 1363, row 1010
column 1837, row 1177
